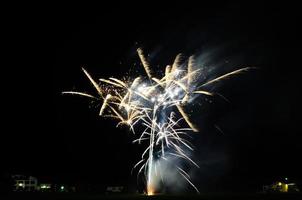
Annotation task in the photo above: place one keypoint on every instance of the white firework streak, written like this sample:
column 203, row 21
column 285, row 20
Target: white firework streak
column 155, row 104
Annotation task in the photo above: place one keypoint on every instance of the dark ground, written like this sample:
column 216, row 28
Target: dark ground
column 159, row 197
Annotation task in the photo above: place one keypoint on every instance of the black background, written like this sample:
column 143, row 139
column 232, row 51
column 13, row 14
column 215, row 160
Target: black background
column 61, row 138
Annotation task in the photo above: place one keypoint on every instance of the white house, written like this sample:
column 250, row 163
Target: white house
column 25, row 183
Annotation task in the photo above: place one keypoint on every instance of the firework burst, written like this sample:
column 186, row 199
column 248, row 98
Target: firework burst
column 158, row 105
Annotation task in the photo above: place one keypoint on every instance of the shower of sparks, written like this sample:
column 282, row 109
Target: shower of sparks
column 158, row 105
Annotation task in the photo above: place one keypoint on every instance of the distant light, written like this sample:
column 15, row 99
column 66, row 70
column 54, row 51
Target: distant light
column 279, row 183
column 286, row 179
column 20, row 184
column 62, row 187
column 44, row 186
column 286, row 188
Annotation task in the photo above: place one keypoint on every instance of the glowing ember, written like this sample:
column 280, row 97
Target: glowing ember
column 150, row 193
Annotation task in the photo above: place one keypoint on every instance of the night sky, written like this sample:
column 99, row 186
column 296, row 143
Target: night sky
column 61, row 138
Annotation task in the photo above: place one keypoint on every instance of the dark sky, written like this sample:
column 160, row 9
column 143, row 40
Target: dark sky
column 61, row 138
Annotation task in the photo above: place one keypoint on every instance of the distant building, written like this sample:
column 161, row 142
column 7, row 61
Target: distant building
column 30, row 184
column 25, row 183
column 281, row 187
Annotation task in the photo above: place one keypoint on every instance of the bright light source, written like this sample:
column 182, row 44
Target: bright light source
column 286, row 179
column 127, row 107
column 43, row 186
column 150, row 193
column 62, row 187
column 177, row 71
column 153, row 99
column 176, row 91
column 168, row 90
column 279, row 183
column 170, row 93
column 286, row 188
column 161, row 99
column 141, row 88
column 20, row 184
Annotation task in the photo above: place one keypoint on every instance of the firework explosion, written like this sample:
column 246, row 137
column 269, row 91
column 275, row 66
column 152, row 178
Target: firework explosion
column 158, row 105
